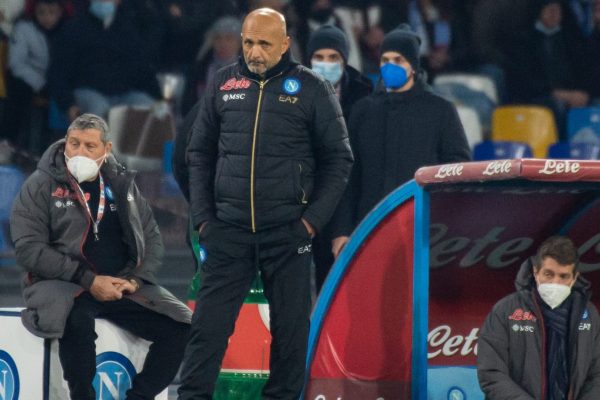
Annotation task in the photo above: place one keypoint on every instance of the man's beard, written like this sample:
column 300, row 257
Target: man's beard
column 257, row 68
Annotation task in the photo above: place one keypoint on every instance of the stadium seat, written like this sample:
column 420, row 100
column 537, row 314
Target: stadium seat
column 12, row 179
column 139, row 134
column 471, row 123
column 57, row 120
column 533, row 125
column 475, row 82
column 577, row 151
column 498, row 150
column 583, row 125
column 475, row 91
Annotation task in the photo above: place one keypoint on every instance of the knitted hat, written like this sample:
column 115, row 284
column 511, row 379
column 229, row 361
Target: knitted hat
column 404, row 41
column 328, row 37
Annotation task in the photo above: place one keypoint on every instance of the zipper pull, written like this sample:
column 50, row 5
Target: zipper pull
column 96, row 237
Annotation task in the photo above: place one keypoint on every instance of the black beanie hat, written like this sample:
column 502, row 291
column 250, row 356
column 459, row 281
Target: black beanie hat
column 404, row 41
column 328, row 37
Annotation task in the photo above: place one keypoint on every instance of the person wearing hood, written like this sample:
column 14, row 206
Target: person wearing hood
column 543, row 341
column 399, row 128
column 328, row 54
column 90, row 246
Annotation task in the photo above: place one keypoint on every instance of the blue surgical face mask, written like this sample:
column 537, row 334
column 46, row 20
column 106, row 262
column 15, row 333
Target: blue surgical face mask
column 103, row 10
column 394, row 76
column 332, row 71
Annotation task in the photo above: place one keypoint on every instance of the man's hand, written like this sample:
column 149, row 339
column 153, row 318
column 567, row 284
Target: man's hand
column 338, row 244
column 129, row 287
column 107, row 288
column 311, row 231
column 202, row 226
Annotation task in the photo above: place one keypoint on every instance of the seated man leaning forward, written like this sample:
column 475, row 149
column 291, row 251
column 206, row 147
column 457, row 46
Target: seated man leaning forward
column 543, row 342
column 90, row 246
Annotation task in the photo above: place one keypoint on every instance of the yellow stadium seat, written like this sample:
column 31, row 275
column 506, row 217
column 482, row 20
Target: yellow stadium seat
column 534, row 125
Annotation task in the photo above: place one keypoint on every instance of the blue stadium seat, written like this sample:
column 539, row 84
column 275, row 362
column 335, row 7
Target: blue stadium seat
column 583, row 125
column 497, row 150
column 11, row 179
column 577, row 151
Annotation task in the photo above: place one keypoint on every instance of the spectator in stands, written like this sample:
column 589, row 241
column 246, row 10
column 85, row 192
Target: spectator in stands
column 101, row 60
column 186, row 23
column 221, row 47
column 90, row 246
column 394, row 131
column 552, row 350
column 547, row 65
column 268, row 161
column 593, row 53
column 498, row 26
column 9, row 12
column 328, row 54
column 316, row 13
column 28, row 60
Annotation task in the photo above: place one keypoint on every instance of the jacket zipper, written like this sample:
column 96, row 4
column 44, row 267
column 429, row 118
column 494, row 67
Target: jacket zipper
column 303, row 200
column 543, row 352
column 261, row 85
column 73, row 185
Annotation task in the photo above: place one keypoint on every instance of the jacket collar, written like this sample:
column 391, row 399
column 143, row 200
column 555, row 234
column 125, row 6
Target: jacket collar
column 283, row 64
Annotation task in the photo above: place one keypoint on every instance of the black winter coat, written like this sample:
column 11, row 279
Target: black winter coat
column 511, row 362
column 266, row 152
column 392, row 135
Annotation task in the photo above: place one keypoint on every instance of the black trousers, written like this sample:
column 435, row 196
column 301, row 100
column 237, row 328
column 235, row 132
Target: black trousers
column 77, row 350
column 234, row 255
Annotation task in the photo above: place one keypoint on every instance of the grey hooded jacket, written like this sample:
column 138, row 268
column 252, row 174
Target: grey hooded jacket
column 511, row 361
column 49, row 225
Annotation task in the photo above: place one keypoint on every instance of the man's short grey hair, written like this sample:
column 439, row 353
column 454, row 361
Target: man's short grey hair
column 90, row 121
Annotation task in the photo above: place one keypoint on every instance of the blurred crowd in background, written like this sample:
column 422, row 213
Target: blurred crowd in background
column 543, row 52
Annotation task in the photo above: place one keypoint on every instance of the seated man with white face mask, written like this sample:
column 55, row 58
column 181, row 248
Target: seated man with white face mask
column 543, row 342
column 90, row 246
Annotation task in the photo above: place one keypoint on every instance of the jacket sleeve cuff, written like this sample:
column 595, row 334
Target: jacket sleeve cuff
column 87, row 279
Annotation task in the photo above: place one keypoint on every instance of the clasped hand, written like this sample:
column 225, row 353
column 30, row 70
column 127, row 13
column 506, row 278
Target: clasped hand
column 109, row 288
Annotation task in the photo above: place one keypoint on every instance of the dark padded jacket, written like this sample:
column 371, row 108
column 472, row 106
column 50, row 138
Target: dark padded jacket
column 49, row 225
column 511, row 361
column 268, row 151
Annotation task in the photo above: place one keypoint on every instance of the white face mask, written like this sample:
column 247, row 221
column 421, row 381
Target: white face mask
column 553, row 294
column 83, row 168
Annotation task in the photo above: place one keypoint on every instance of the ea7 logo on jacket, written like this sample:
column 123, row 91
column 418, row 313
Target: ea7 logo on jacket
column 288, row 99
column 520, row 315
column 234, row 83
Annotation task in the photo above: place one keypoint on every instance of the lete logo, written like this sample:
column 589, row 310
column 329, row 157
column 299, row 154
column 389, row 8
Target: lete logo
column 9, row 377
column 233, row 83
column 558, row 167
column 520, row 315
column 114, row 375
column 449, row 170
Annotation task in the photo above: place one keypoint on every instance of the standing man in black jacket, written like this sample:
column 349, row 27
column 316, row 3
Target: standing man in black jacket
column 543, row 341
column 328, row 53
column 395, row 131
column 269, row 158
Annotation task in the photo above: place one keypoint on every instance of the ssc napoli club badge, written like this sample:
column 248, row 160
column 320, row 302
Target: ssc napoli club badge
column 9, row 377
column 114, row 375
column 291, row 86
